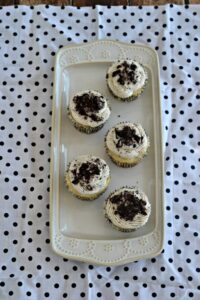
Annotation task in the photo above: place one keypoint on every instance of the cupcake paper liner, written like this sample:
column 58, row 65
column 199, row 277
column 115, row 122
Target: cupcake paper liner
column 120, row 164
column 82, row 128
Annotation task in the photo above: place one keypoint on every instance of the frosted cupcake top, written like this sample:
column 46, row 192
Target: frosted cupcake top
column 88, row 174
column 125, row 77
column 89, row 108
column 128, row 208
column 127, row 140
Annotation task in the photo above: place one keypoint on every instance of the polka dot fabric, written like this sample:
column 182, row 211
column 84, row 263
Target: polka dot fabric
column 29, row 39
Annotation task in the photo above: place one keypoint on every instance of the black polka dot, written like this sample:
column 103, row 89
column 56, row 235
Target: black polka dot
column 154, row 295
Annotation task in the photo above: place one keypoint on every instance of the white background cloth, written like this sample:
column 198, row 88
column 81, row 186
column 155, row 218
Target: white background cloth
column 29, row 39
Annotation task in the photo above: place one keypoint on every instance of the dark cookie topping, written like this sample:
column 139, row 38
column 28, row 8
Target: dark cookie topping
column 85, row 173
column 88, row 105
column 126, row 73
column 127, row 136
column 128, row 205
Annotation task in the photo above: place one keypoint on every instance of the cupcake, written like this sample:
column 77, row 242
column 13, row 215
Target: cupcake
column 87, row 177
column 126, row 79
column 127, row 209
column 88, row 111
column 126, row 144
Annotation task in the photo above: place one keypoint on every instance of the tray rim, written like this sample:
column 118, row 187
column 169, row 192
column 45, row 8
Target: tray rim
column 53, row 244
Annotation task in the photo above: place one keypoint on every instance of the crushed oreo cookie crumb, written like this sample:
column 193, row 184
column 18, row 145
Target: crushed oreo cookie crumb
column 115, row 73
column 127, row 136
column 128, row 205
column 126, row 73
column 88, row 105
column 89, row 187
column 85, row 173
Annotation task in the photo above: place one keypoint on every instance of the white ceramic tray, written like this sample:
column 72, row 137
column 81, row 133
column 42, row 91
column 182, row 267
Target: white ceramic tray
column 78, row 229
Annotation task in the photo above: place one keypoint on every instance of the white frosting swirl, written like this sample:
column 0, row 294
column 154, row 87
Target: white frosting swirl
column 129, row 88
column 138, row 220
column 103, row 114
column 97, row 182
column 127, row 151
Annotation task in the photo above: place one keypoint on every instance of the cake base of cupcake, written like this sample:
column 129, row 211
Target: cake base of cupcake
column 124, row 163
column 84, row 129
column 86, row 197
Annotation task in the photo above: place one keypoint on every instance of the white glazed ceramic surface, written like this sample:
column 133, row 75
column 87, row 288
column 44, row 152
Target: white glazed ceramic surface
column 78, row 229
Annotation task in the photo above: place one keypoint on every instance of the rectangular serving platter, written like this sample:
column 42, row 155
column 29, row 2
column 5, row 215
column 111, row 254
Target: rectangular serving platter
column 79, row 230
